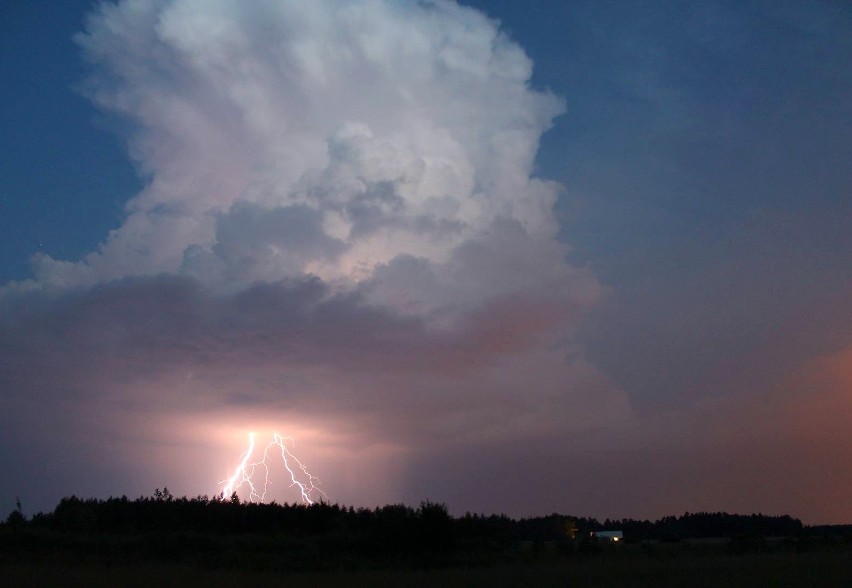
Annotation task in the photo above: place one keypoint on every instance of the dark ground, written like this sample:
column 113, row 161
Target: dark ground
column 821, row 569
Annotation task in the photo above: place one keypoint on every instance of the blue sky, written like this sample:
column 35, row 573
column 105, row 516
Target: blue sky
column 65, row 175
column 706, row 192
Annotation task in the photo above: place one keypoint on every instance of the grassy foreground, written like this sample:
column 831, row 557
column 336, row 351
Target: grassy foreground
column 823, row 569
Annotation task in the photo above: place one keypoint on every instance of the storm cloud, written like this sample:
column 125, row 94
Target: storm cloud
column 340, row 227
column 344, row 234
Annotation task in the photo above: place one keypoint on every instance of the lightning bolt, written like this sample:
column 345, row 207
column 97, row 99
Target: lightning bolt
column 247, row 473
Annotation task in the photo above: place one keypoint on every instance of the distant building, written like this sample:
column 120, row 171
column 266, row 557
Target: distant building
column 608, row 536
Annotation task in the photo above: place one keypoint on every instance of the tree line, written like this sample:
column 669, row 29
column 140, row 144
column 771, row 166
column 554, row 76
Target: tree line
column 164, row 512
column 217, row 531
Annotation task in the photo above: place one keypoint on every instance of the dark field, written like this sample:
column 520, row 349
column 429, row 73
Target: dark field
column 165, row 541
column 822, row 569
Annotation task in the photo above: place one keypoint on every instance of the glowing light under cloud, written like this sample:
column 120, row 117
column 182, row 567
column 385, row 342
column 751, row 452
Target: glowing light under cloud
column 247, row 473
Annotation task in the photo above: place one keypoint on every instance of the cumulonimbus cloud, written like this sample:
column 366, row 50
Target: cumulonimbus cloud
column 339, row 219
column 287, row 138
column 381, row 151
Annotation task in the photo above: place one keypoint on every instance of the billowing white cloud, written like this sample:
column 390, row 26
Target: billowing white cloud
column 290, row 138
column 340, row 226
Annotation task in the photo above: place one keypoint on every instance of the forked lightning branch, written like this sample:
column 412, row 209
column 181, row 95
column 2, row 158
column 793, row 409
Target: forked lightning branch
column 255, row 476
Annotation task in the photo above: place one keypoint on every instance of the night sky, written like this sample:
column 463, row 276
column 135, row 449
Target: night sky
column 588, row 257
